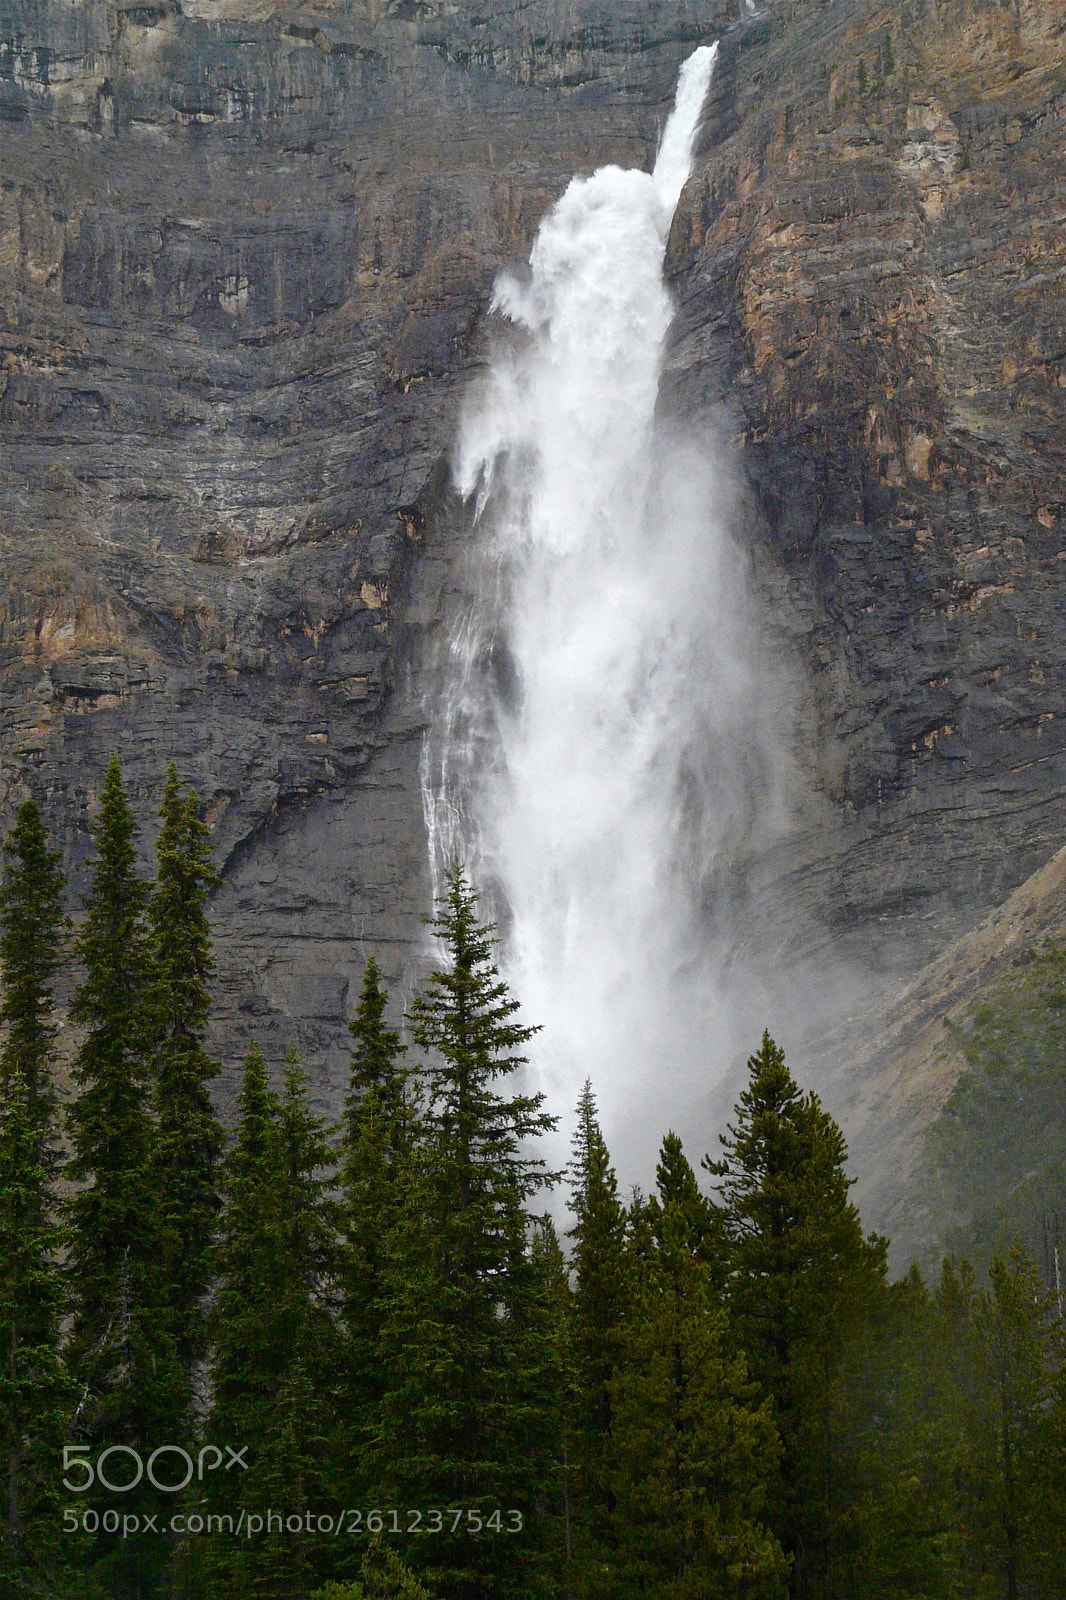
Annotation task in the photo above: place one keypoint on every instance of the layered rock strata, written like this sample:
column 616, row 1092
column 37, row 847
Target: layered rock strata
column 246, row 251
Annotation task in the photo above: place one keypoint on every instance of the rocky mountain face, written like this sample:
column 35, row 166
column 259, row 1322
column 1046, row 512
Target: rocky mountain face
column 246, row 253
column 871, row 267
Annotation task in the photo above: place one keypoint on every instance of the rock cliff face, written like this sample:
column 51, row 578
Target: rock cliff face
column 245, row 251
column 872, row 271
column 245, row 257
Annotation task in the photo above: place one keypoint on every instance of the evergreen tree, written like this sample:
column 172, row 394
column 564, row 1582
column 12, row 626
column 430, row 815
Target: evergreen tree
column 246, row 1360
column 601, row 1301
column 1050, row 1463
column 308, row 1217
column 376, row 1136
column 558, row 1370
column 679, row 1194
column 288, row 1477
column 692, row 1450
column 274, row 1340
column 802, row 1280
column 382, row 1576
column 35, row 1392
column 188, row 1138
column 31, row 929
column 467, row 1342
column 377, row 1048
column 120, row 1350
column 1009, row 1346
column 35, row 1398
column 895, row 1443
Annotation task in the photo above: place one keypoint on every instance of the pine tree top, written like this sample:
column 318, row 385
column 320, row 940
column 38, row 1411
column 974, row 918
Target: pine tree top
column 780, row 1135
column 593, row 1184
column 465, row 1007
column 112, row 938
column 180, row 935
column 463, row 1021
column 377, row 1048
column 793, row 1231
column 32, row 924
column 257, row 1111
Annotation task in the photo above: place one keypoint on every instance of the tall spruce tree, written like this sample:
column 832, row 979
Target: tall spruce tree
column 376, row 1137
column 467, row 1420
column 248, row 1355
column 35, row 1390
column 896, row 1449
column 31, row 931
column 678, row 1195
column 120, row 1347
column 803, row 1278
column 309, row 1220
column 692, row 1450
column 188, row 1137
column 274, row 1336
column 602, row 1296
column 1009, row 1345
column 558, row 1372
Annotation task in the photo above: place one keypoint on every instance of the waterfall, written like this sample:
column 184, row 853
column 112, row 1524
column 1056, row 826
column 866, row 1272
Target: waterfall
column 593, row 759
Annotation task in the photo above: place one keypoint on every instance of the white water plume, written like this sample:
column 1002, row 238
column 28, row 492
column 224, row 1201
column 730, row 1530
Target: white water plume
column 599, row 755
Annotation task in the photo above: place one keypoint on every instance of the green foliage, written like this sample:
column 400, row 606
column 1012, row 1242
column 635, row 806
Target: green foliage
column 603, row 1293
column 377, row 1135
column 120, row 1349
column 188, row 1139
column 468, row 1418
column 36, row 1396
column 679, row 1197
column 692, row 1448
column 463, row 1021
column 1008, row 1355
column 709, row 1401
column 275, row 1255
column 274, row 1337
column 802, row 1281
column 893, row 1454
column 382, row 1576
column 999, row 1145
column 31, row 928
column 247, row 1357
column 35, row 1393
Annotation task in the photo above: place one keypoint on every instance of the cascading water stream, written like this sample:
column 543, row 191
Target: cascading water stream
column 593, row 758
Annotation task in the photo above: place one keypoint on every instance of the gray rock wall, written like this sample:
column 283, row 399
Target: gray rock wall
column 245, row 252
column 245, row 257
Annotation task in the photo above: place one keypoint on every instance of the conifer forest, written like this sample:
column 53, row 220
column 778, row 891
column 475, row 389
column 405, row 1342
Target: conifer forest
column 285, row 1359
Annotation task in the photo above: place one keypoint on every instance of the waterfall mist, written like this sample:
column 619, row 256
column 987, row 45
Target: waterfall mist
column 602, row 751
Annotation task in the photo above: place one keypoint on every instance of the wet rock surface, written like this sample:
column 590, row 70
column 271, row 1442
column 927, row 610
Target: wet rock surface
column 246, row 253
column 871, row 269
